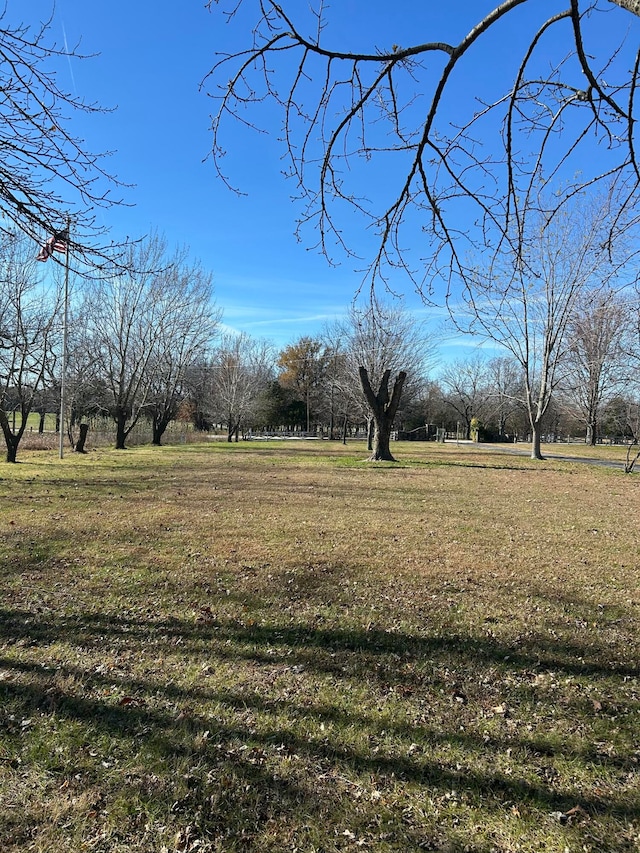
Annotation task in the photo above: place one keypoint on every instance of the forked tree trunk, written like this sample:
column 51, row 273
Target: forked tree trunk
column 12, row 448
column 11, row 437
column 384, row 408
column 233, row 429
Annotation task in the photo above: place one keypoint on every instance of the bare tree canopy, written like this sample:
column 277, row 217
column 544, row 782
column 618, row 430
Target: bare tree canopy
column 525, row 303
column 420, row 139
column 46, row 173
column 241, row 370
column 29, row 311
column 598, row 333
column 145, row 329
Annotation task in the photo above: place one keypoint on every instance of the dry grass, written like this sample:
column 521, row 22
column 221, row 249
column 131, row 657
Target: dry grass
column 276, row 646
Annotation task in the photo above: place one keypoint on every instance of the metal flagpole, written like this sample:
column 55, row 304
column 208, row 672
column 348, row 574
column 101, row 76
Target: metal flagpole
column 63, row 377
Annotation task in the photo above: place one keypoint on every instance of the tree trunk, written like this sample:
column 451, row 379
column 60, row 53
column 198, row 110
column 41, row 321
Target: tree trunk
column 11, row 437
column 12, row 450
column 79, row 448
column 41, row 423
column 369, row 434
column 12, row 441
column 159, row 425
column 381, row 443
column 121, row 430
column 502, row 423
column 384, row 410
column 536, row 438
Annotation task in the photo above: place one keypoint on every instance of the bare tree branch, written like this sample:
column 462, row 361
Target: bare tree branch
column 565, row 118
column 46, row 173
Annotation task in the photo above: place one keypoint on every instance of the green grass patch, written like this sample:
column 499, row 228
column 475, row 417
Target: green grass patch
column 272, row 646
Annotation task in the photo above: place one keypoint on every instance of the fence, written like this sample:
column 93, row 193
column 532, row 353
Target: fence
column 102, row 434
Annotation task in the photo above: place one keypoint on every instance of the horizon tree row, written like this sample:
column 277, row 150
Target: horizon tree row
column 313, row 385
column 145, row 345
column 132, row 337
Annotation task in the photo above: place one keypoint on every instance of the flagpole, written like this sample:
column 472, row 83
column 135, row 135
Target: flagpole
column 63, row 378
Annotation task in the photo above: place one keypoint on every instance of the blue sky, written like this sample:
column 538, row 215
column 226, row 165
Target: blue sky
column 151, row 56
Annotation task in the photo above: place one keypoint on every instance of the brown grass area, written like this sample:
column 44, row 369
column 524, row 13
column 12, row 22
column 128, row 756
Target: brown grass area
column 277, row 646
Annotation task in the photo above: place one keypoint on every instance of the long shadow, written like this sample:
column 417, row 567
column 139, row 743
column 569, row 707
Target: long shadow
column 172, row 738
column 538, row 653
column 246, row 754
column 140, row 689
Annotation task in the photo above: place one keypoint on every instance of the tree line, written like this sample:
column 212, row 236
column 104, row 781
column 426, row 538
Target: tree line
column 132, row 336
column 314, row 386
column 546, row 277
column 145, row 344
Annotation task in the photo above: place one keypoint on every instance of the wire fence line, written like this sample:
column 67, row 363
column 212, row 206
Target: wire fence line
column 102, row 433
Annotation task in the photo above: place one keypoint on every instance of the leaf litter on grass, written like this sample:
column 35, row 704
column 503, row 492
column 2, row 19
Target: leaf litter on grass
column 423, row 657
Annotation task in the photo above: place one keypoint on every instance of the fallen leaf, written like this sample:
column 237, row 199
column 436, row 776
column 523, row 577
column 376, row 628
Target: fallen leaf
column 576, row 813
column 129, row 700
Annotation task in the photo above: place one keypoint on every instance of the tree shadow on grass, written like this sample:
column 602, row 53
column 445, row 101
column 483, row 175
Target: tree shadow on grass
column 133, row 694
column 232, row 761
column 170, row 733
column 248, row 640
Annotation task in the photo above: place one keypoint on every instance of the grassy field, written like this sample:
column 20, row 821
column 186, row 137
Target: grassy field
column 276, row 646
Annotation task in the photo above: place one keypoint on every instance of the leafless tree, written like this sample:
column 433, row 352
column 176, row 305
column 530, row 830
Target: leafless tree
column 45, row 171
column 505, row 392
column 632, row 402
column 524, row 302
column 84, row 387
column 29, row 332
column 241, row 369
column 188, row 321
column 465, row 382
column 384, row 407
column 337, row 399
column 198, row 388
column 122, row 322
column 379, row 341
column 597, row 370
column 144, row 327
column 455, row 146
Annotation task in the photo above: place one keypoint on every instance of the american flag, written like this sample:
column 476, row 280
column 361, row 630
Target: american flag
column 56, row 243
